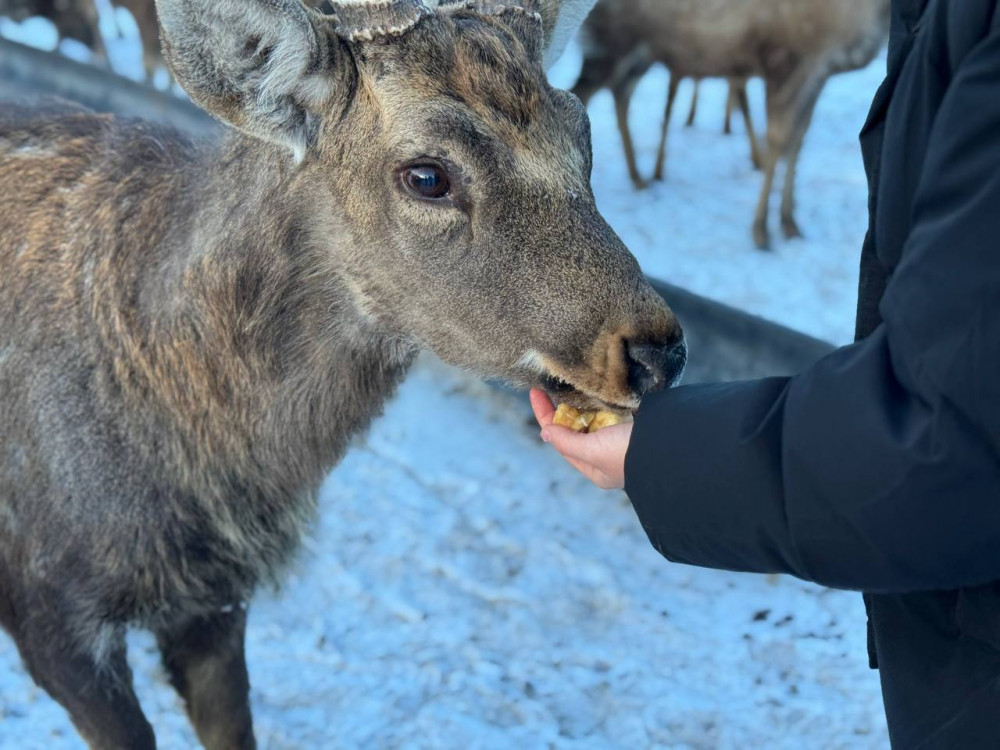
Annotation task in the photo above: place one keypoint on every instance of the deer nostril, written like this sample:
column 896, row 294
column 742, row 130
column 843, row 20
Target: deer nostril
column 655, row 366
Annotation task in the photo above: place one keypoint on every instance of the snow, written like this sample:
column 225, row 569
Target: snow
column 37, row 32
column 466, row 589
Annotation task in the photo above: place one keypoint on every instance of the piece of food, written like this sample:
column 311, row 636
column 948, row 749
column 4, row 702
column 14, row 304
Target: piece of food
column 586, row 421
column 604, row 419
column 577, row 421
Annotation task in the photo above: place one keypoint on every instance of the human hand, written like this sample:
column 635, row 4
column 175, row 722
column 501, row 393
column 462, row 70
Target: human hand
column 599, row 456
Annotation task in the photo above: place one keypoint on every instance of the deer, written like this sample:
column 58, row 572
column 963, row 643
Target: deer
column 144, row 14
column 193, row 332
column 79, row 20
column 73, row 19
column 794, row 45
column 737, row 97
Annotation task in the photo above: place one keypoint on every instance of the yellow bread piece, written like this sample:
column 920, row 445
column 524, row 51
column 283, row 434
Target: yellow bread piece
column 587, row 421
column 604, row 419
column 575, row 420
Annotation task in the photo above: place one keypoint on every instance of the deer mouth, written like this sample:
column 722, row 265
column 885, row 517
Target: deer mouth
column 577, row 386
column 563, row 392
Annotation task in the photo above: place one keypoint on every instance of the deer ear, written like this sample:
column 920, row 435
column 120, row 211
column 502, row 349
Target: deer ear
column 263, row 66
column 560, row 21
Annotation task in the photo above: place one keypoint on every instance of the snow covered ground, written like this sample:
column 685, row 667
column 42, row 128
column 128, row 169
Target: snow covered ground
column 465, row 589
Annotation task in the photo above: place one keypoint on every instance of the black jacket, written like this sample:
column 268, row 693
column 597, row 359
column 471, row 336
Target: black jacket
column 878, row 469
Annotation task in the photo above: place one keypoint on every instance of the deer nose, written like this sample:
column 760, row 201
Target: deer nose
column 655, row 366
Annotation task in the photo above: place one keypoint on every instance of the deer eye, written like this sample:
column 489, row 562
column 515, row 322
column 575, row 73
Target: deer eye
column 426, row 181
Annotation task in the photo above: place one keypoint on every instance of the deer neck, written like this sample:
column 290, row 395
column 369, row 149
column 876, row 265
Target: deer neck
column 257, row 350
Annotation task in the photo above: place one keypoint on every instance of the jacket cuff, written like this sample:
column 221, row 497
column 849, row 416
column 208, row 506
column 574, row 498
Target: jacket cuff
column 701, row 475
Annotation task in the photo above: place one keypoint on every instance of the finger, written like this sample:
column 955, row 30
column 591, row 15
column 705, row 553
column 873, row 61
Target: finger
column 542, row 406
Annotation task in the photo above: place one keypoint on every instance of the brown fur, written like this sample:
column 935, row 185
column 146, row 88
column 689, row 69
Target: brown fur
column 191, row 334
column 794, row 45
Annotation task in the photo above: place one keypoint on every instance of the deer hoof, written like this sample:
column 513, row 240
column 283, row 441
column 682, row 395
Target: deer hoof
column 639, row 183
column 790, row 229
column 761, row 238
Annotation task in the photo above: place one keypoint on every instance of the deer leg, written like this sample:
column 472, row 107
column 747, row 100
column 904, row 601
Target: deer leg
column 790, row 104
column 98, row 49
column 694, row 105
column 789, row 227
column 100, row 55
column 761, row 236
column 205, row 661
column 777, row 136
column 740, row 94
column 150, row 37
column 96, row 692
column 727, row 124
column 623, row 95
column 149, row 64
column 661, row 152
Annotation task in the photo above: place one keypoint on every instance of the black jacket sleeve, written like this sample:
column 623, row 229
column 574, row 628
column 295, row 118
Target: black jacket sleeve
column 877, row 469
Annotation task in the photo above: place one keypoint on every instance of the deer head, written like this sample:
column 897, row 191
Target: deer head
column 447, row 182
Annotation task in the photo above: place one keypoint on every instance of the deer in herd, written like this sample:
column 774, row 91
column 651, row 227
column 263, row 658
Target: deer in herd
column 737, row 97
column 144, row 13
column 794, row 45
column 73, row 19
column 192, row 333
column 79, row 20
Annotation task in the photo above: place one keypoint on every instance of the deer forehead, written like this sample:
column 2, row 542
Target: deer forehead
column 495, row 119
column 543, row 156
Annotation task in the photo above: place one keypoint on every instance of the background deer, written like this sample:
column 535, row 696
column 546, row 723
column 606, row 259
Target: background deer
column 191, row 334
column 144, row 13
column 737, row 98
column 794, row 45
column 73, row 19
column 79, row 20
